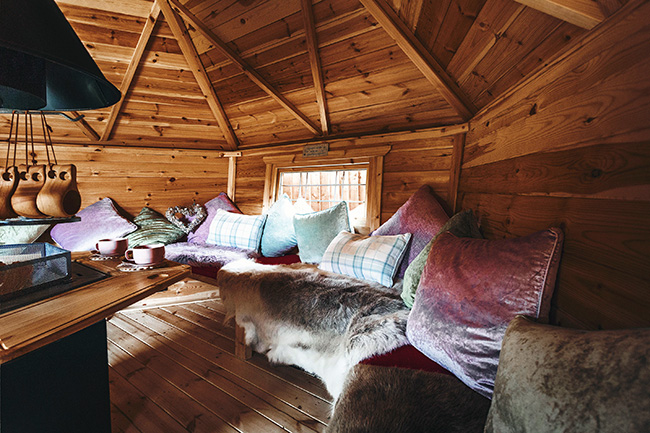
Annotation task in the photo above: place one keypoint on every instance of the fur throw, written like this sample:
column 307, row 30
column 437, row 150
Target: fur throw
column 320, row 321
column 388, row 400
column 214, row 256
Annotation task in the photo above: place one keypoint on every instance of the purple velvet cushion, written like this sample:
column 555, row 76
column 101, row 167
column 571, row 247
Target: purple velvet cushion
column 100, row 220
column 422, row 216
column 471, row 289
column 222, row 201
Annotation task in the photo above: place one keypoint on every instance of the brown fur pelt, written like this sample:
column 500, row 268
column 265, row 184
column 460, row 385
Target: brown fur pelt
column 387, row 399
column 322, row 322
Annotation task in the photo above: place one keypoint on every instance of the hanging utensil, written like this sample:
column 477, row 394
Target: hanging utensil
column 31, row 178
column 59, row 196
column 8, row 175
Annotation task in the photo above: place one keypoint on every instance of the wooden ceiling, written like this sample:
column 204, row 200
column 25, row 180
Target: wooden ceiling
column 236, row 74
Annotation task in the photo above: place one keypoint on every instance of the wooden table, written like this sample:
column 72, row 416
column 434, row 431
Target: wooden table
column 53, row 358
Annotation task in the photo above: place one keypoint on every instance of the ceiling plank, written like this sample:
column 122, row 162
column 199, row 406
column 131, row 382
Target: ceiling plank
column 420, row 57
column 246, row 69
column 314, row 61
column 84, row 126
column 493, row 20
column 194, row 62
column 149, row 25
column 582, row 13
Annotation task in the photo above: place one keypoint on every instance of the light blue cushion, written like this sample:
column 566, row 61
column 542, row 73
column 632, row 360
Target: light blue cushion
column 373, row 258
column 279, row 236
column 315, row 231
column 236, row 230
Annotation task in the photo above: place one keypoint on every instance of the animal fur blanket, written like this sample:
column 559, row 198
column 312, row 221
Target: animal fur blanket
column 322, row 322
column 214, row 256
column 388, row 400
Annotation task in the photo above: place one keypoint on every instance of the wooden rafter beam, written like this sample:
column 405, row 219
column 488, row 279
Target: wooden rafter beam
column 250, row 72
column 420, row 56
column 84, row 126
column 490, row 24
column 314, row 61
column 131, row 69
column 194, row 61
column 582, row 13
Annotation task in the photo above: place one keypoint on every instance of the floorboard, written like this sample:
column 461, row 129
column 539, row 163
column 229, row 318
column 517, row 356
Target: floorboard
column 173, row 369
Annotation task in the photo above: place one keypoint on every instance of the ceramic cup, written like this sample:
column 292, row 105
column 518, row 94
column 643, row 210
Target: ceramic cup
column 146, row 254
column 112, row 247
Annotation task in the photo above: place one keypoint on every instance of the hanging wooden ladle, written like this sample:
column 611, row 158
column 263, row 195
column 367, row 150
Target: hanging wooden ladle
column 8, row 176
column 60, row 196
column 31, row 179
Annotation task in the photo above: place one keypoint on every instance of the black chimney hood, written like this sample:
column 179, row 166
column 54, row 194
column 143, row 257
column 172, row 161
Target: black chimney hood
column 44, row 65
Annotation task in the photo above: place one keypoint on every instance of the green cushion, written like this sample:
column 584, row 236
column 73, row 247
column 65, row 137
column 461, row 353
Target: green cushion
column 315, row 231
column 153, row 228
column 462, row 225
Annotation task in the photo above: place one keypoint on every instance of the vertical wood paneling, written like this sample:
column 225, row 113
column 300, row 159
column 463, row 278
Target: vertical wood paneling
column 569, row 148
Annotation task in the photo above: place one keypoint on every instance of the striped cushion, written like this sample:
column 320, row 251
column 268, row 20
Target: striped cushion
column 374, row 258
column 236, row 230
column 153, row 228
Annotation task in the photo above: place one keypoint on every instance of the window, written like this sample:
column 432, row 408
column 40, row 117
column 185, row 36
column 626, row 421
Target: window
column 325, row 188
column 353, row 175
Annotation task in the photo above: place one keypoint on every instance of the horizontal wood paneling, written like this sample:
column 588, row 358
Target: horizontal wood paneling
column 618, row 171
column 416, row 158
column 137, row 177
column 569, row 148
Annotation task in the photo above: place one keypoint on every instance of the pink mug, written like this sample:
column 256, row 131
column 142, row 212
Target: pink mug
column 112, row 247
column 146, row 254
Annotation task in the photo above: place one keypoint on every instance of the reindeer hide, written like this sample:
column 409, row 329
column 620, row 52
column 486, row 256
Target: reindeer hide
column 323, row 322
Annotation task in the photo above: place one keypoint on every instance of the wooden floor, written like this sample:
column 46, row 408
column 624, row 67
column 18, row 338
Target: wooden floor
column 173, row 369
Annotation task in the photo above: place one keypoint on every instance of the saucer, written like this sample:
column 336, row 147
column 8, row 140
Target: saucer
column 97, row 256
column 131, row 266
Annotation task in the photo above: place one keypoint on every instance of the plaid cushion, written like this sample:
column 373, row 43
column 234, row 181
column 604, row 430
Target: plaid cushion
column 236, row 230
column 374, row 258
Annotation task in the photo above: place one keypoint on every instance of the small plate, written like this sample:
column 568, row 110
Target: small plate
column 97, row 256
column 130, row 266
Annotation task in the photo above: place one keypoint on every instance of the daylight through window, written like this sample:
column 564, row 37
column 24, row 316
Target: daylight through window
column 324, row 189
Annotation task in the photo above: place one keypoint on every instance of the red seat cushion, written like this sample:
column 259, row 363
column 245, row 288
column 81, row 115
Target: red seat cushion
column 206, row 271
column 282, row 260
column 406, row 357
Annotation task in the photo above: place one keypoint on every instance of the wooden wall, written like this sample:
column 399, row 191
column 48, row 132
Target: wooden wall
column 416, row 158
column 137, row 177
column 570, row 147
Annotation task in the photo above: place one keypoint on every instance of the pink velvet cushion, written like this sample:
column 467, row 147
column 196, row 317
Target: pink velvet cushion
column 422, row 216
column 222, row 201
column 471, row 289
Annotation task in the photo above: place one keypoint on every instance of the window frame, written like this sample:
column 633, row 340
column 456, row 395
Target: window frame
column 372, row 159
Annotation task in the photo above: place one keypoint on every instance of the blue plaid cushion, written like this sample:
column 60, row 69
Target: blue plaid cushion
column 236, row 230
column 374, row 258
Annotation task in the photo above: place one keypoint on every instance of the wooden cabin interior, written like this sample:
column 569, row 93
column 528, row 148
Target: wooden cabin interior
column 531, row 113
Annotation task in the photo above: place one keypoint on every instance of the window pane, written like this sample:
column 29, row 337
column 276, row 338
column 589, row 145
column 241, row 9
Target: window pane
column 324, row 189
